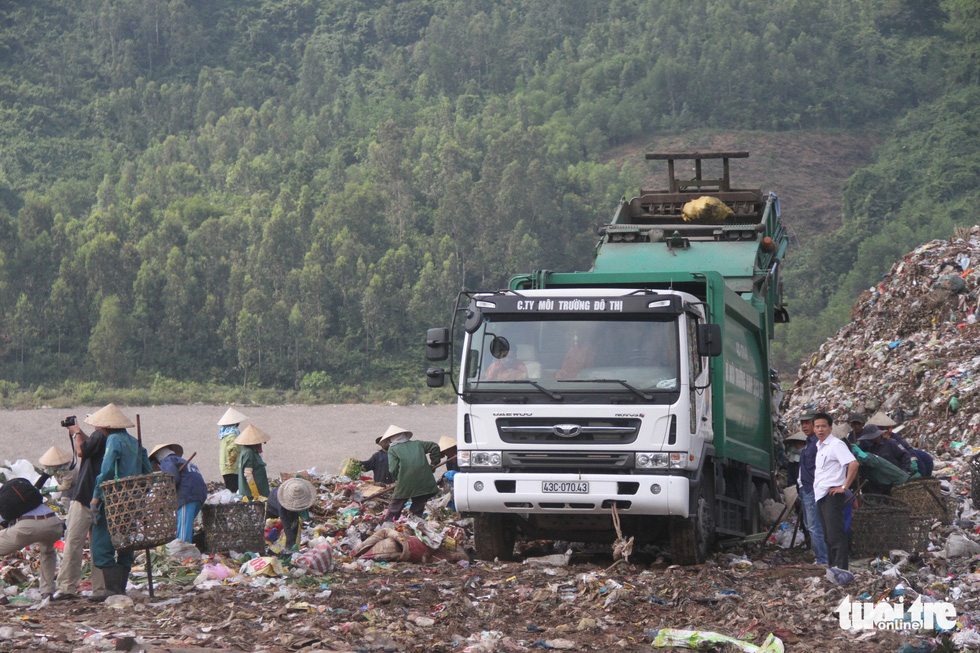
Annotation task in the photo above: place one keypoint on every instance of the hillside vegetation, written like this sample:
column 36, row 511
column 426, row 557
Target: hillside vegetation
column 285, row 193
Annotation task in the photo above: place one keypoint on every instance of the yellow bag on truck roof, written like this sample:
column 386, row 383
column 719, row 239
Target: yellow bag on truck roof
column 706, row 209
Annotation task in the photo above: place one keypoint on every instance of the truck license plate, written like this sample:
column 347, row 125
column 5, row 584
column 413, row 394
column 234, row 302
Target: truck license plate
column 573, row 487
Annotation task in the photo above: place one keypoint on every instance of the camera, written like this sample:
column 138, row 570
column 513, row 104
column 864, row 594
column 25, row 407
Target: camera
column 68, row 421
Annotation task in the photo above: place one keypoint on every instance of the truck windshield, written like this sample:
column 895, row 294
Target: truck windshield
column 608, row 355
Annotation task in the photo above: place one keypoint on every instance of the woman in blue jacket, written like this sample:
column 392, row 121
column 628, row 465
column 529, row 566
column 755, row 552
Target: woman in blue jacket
column 192, row 491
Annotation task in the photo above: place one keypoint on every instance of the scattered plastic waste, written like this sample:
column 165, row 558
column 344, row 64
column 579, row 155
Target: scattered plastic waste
column 702, row 639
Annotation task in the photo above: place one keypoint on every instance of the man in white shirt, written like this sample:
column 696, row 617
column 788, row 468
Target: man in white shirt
column 835, row 471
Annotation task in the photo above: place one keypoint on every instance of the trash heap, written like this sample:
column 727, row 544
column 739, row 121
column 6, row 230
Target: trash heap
column 343, row 590
column 911, row 350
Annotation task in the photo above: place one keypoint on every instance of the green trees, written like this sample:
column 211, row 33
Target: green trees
column 258, row 191
column 110, row 345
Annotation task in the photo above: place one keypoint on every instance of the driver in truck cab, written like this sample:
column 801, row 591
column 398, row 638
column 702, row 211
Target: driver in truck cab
column 507, row 366
column 580, row 355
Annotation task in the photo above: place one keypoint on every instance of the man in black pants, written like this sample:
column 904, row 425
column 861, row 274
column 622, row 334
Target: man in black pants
column 835, row 471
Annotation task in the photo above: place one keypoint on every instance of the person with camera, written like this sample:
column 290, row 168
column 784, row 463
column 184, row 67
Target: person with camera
column 124, row 457
column 90, row 449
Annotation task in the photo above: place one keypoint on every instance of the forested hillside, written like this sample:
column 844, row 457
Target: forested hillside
column 285, row 193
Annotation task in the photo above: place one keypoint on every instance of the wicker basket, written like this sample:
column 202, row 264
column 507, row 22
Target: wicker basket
column 919, row 529
column 141, row 510
column 880, row 524
column 234, row 527
column 925, row 499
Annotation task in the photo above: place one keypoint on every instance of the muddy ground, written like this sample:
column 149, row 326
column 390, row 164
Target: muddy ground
column 301, row 436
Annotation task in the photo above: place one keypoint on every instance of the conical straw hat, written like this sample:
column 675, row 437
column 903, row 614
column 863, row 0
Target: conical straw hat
column 54, row 457
column 393, row 431
column 109, row 417
column 176, row 448
column 446, row 442
column 251, row 435
column 881, row 419
column 230, row 417
column 296, row 494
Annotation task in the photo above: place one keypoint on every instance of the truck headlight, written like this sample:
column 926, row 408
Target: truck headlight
column 654, row 460
column 478, row 458
column 678, row 460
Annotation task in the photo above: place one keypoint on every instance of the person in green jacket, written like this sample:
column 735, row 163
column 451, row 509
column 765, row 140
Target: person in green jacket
column 253, row 482
column 124, row 457
column 413, row 473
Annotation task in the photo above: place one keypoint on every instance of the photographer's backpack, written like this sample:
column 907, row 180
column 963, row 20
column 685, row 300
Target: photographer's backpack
column 18, row 496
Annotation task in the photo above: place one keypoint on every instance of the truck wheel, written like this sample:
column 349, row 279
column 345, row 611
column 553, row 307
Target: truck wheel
column 494, row 537
column 691, row 539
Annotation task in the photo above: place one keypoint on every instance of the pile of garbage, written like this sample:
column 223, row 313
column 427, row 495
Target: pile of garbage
column 354, row 583
column 912, row 352
column 912, row 349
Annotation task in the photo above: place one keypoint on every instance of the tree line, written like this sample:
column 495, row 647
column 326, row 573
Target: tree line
column 287, row 192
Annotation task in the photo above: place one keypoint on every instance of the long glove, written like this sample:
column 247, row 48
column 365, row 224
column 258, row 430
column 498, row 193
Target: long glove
column 859, row 453
column 255, row 491
column 914, row 467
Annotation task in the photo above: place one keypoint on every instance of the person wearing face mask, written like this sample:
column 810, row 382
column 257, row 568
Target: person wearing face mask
column 794, row 448
column 228, row 451
column 811, row 516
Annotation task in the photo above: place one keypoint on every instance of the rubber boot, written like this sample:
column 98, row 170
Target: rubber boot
column 124, row 578
column 114, row 577
column 107, row 574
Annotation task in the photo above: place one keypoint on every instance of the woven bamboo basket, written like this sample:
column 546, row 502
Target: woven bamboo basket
column 141, row 510
column 880, row 524
column 925, row 499
column 234, row 527
column 919, row 529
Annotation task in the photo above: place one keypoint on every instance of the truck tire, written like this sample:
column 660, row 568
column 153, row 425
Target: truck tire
column 692, row 538
column 494, row 537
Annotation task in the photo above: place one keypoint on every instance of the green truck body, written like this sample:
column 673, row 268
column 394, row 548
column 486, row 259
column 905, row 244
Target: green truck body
column 688, row 420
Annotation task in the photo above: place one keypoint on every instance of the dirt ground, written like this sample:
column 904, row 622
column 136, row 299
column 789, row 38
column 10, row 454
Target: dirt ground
column 480, row 607
column 301, row 437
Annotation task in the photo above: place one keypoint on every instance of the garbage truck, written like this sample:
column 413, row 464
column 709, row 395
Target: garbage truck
column 631, row 400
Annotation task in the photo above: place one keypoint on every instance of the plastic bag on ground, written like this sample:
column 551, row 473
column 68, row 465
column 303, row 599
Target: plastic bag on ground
column 702, row 639
column 182, row 550
column 264, row 566
column 318, row 561
column 211, row 572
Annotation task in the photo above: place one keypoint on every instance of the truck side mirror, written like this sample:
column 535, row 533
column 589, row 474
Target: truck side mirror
column 435, row 377
column 437, row 344
column 709, row 340
column 474, row 318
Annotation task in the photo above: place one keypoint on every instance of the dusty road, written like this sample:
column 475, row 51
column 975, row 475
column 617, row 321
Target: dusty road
column 301, row 437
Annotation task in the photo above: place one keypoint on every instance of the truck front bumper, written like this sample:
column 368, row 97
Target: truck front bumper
column 649, row 494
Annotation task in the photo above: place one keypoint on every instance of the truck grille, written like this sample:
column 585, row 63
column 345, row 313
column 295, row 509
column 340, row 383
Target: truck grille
column 572, row 431
column 548, row 461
